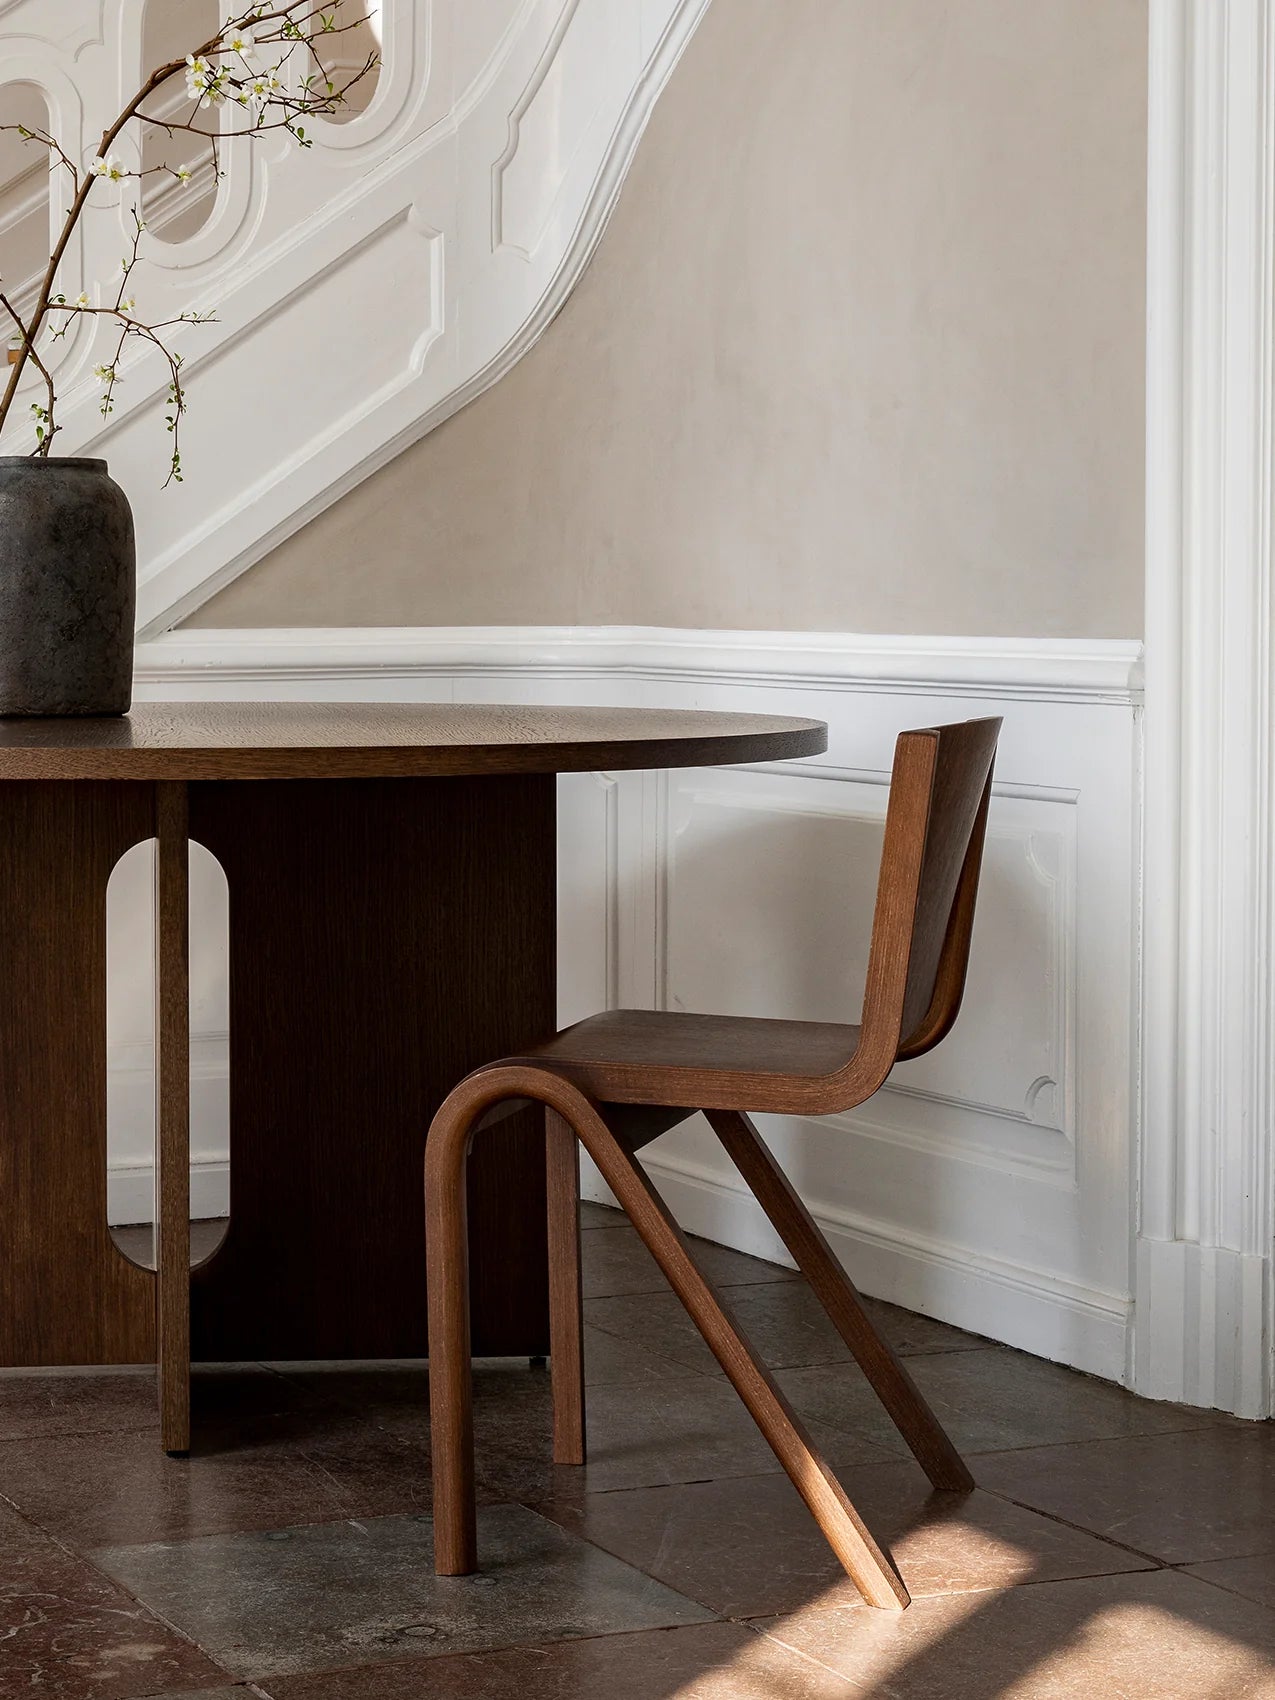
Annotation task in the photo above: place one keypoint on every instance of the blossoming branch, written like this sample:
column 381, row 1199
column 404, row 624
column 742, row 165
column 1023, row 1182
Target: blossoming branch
column 266, row 63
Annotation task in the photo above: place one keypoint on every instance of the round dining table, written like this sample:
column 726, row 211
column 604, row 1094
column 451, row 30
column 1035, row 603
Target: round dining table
column 392, row 895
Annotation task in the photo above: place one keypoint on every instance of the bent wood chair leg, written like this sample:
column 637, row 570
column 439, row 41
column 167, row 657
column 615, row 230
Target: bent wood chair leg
column 451, row 1393
column 566, row 1307
column 812, row 1254
column 447, row 1276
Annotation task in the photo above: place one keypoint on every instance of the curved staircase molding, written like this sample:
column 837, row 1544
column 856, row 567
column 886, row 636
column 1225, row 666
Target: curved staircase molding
column 365, row 289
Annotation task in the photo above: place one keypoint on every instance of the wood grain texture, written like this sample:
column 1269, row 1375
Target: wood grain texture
column 385, row 936
column 172, row 1113
column 67, row 1294
column 282, row 740
column 566, row 1292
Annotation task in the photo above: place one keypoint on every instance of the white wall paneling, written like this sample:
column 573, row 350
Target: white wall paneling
column 1205, row 1242
column 481, row 173
column 989, row 1184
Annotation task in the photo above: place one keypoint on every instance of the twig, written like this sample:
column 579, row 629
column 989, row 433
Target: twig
column 46, row 428
column 293, row 28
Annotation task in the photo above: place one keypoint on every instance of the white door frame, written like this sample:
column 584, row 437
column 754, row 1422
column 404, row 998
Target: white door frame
column 1207, row 1216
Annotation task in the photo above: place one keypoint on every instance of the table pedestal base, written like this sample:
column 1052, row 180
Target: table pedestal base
column 386, row 935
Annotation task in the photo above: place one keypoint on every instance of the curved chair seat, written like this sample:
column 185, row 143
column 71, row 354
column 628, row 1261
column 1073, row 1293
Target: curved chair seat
column 664, row 1057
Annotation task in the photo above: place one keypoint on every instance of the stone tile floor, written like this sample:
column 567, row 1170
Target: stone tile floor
column 1113, row 1548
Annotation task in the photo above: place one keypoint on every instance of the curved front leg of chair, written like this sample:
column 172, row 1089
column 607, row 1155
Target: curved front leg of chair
column 455, row 1537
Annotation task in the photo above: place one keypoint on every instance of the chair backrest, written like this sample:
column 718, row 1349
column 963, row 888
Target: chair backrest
column 934, row 831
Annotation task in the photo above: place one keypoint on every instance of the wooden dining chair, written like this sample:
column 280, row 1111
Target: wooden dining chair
column 617, row 1080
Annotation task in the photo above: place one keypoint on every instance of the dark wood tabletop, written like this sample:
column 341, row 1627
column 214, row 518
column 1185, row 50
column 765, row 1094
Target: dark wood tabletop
column 348, row 740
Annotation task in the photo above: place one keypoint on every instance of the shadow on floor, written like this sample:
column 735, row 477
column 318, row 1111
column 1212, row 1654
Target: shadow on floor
column 1114, row 1547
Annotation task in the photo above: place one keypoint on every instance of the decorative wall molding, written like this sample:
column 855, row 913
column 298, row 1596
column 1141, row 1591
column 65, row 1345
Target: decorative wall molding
column 989, row 1184
column 293, row 241
column 1044, row 669
column 1207, row 1216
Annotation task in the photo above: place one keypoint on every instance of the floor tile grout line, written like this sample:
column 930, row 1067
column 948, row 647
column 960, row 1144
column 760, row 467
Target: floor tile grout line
column 1207, row 1427
column 800, row 1652
column 1193, row 1575
column 80, row 1556
column 173, row 1628
column 37, row 1436
column 960, row 1593
column 703, row 1481
column 700, row 1605
column 781, row 1368
column 1080, row 1528
column 259, row 1529
column 31, row 1522
column 716, row 1621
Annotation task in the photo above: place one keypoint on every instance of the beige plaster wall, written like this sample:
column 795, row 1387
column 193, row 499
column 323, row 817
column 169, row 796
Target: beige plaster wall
column 862, row 349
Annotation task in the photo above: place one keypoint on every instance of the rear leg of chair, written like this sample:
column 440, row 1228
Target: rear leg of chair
column 566, row 1309
column 893, row 1385
column 864, row 1562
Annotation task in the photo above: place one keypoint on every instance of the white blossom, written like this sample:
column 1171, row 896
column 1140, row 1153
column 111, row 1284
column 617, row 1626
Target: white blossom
column 203, row 83
column 196, row 75
column 238, row 69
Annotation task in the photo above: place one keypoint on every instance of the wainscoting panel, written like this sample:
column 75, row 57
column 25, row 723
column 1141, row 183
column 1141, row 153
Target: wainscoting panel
column 988, row 1184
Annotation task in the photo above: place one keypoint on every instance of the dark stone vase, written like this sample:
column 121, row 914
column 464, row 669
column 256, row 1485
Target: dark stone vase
column 68, row 588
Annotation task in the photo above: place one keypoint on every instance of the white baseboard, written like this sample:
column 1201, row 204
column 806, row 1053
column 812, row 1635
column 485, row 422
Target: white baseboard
column 130, row 1171
column 1205, row 1342
column 130, row 1191
column 1009, row 1303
